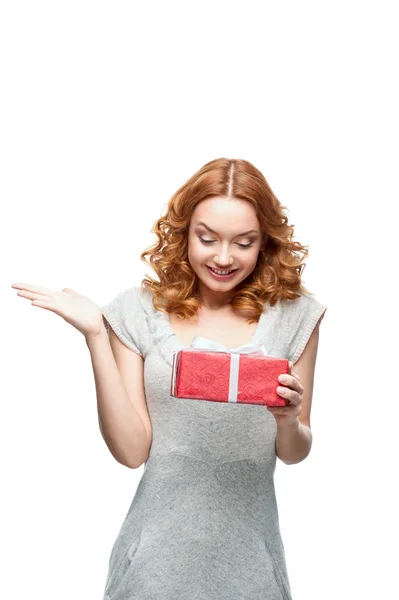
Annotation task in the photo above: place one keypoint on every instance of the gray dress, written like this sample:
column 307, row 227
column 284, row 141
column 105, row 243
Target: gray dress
column 203, row 523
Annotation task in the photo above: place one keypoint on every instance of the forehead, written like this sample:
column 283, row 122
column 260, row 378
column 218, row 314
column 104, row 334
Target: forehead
column 223, row 214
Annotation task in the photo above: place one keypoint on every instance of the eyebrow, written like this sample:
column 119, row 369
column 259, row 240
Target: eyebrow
column 238, row 234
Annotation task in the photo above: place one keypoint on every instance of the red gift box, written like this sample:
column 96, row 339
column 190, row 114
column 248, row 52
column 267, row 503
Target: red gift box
column 246, row 376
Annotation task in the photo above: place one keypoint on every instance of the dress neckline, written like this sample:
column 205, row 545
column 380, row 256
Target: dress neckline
column 178, row 344
column 167, row 342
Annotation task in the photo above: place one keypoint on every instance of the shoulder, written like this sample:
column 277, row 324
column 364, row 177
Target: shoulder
column 126, row 314
column 301, row 316
column 288, row 324
column 144, row 298
column 300, row 308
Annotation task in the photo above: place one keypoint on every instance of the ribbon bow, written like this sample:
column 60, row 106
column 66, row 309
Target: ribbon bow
column 204, row 344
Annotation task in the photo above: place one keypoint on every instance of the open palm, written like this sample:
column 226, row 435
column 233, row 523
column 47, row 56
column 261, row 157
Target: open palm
column 81, row 312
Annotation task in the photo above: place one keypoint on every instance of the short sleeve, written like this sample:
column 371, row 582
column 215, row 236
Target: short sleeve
column 124, row 315
column 301, row 318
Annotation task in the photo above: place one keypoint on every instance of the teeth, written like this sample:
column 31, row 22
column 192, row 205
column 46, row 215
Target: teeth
column 221, row 272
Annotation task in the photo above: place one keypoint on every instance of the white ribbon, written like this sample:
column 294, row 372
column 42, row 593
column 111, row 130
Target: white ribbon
column 206, row 345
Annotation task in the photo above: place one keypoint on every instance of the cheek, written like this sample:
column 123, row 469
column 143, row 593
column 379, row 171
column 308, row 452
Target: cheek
column 251, row 259
column 196, row 255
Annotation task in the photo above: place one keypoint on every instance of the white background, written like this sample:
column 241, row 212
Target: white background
column 106, row 109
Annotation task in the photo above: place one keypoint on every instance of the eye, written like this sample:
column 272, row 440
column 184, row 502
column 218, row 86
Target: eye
column 211, row 242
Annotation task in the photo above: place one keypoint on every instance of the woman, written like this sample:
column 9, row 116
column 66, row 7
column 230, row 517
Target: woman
column 204, row 520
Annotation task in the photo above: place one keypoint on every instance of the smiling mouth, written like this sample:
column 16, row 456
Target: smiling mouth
column 221, row 271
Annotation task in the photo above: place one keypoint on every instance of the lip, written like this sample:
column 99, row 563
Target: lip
column 221, row 277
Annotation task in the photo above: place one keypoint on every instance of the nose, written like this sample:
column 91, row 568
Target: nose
column 223, row 259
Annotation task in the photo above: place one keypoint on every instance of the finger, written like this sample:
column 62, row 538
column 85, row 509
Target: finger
column 281, row 410
column 297, row 386
column 291, row 395
column 291, row 383
column 296, row 375
column 297, row 378
column 35, row 289
column 285, row 392
column 297, row 381
column 32, row 296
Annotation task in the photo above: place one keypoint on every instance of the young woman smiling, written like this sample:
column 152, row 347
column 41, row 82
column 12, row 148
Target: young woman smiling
column 203, row 523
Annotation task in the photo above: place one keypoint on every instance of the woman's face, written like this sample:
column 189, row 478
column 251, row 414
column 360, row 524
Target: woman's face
column 233, row 244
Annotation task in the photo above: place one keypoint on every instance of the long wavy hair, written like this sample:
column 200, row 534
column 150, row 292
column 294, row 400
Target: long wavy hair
column 277, row 273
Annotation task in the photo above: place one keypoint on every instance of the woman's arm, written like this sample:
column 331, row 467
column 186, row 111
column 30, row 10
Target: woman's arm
column 294, row 442
column 126, row 433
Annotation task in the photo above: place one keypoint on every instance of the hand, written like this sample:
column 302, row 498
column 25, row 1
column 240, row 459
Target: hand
column 79, row 311
column 292, row 390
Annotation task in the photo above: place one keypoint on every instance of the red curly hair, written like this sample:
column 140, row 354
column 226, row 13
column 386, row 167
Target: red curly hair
column 280, row 263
